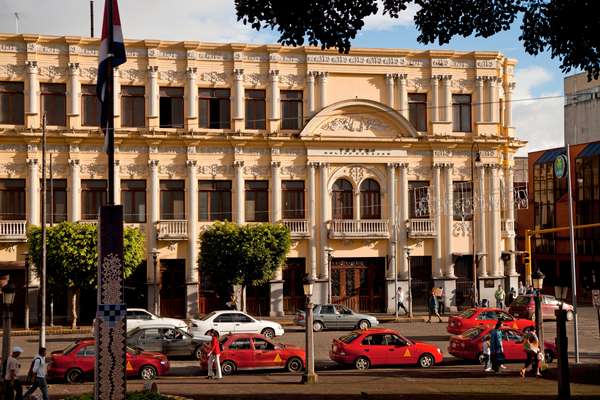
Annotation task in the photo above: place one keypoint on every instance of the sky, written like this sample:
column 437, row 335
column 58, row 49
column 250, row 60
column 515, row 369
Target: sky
column 539, row 121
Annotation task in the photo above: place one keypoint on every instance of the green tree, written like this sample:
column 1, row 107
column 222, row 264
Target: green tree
column 245, row 255
column 72, row 257
column 566, row 28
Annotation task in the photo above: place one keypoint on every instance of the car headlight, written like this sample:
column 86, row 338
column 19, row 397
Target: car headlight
column 164, row 362
column 439, row 351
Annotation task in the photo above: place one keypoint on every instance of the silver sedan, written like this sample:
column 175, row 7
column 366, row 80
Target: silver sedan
column 336, row 316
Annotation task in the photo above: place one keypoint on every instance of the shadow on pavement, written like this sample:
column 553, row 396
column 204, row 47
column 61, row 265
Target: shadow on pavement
column 366, row 396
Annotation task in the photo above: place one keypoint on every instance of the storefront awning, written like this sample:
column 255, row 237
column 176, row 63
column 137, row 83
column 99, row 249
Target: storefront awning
column 592, row 149
column 550, row 155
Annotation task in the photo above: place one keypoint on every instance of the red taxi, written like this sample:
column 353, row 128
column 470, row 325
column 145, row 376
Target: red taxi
column 469, row 344
column 486, row 317
column 379, row 347
column 77, row 362
column 255, row 351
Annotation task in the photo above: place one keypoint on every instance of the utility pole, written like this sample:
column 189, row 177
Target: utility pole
column 42, row 338
column 91, row 18
column 51, row 194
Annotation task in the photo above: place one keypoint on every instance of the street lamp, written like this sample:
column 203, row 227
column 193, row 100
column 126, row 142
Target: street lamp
column 538, row 282
column 8, row 297
column 310, row 376
column 410, row 302
column 329, row 252
column 154, row 282
column 562, row 344
column 475, row 159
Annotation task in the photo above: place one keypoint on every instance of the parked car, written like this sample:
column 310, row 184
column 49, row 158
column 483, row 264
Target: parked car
column 254, row 351
column 468, row 345
column 167, row 339
column 524, row 306
column 140, row 317
column 336, row 316
column 77, row 362
column 378, row 347
column 230, row 322
column 457, row 324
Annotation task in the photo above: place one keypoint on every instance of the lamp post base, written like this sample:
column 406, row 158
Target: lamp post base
column 310, row 379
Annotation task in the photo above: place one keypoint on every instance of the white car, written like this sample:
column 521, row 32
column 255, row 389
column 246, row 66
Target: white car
column 228, row 322
column 140, row 317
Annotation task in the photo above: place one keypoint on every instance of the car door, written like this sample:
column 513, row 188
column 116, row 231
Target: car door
column 86, row 359
column 346, row 319
column 241, row 352
column 266, row 355
column 375, row 348
column 133, row 320
column 151, row 339
column 512, row 342
column 245, row 324
column 329, row 316
column 400, row 350
column 224, row 323
column 176, row 342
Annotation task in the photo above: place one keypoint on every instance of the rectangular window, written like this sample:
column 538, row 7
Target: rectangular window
column 463, row 201
column 171, row 107
column 293, row 199
column 419, row 202
column 133, row 198
column 12, row 199
column 56, row 200
column 417, row 111
column 214, row 200
column 257, row 201
column 93, row 196
column 214, row 108
column 90, row 106
column 133, row 107
column 291, row 109
column 172, row 199
column 255, row 109
column 461, row 112
column 12, row 103
column 54, row 103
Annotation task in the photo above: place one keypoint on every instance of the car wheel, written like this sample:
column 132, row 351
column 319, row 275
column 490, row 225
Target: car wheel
column 480, row 359
column 228, row 368
column 294, row 365
column 317, row 326
column 362, row 363
column 197, row 354
column 148, row 372
column 549, row 356
column 268, row 332
column 74, row 376
column 364, row 324
column 426, row 361
column 210, row 332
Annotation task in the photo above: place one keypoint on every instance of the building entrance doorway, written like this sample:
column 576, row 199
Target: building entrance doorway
column 293, row 291
column 359, row 283
column 421, row 282
column 463, row 269
column 258, row 299
column 172, row 288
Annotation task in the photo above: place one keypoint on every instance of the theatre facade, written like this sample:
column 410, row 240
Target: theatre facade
column 363, row 156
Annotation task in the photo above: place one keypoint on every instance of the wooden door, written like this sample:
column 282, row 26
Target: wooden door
column 359, row 283
column 172, row 288
column 258, row 300
column 293, row 291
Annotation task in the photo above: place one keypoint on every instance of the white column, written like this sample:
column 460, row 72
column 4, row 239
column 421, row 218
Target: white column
column 33, row 192
column 403, row 216
column 32, row 87
column 153, row 93
column 310, row 93
column 490, row 99
column 312, row 220
column 435, row 102
column 238, row 93
column 403, row 95
column 274, row 74
column 508, row 104
column 323, row 222
column 191, row 93
column 510, row 215
column 391, row 211
column 356, row 203
column 75, row 193
column 74, row 90
column 153, row 196
column 389, row 92
column 117, row 182
column 239, row 216
column 437, row 221
column 494, row 228
column 481, row 232
column 322, row 90
column 497, row 82
column 480, row 99
column 275, row 191
column 447, row 114
column 117, row 92
column 449, row 208
column 191, row 267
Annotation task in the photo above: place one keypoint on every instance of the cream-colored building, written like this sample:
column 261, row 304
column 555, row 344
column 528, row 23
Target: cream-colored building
column 361, row 155
column 582, row 109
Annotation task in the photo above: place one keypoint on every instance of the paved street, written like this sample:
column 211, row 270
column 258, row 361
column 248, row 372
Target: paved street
column 454, row 377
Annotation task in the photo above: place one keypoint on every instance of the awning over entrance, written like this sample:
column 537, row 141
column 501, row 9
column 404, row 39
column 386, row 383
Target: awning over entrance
column 11, row 265
column 592, row 149
column 550, row 156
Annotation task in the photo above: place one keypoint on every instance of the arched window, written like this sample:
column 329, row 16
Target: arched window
column 370, row 200
column 342, row 203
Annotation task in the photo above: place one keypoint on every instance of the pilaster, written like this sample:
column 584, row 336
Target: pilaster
column 239, row 216
column 74, row 202
column 191, row 267
column 437, row 221
column 323, row 89
column 312, row 219
column 403, row 94
column 33, row 192
column 389, row 84
column 152, row 97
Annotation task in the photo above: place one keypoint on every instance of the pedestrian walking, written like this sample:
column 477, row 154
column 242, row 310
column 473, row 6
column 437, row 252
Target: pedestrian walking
column 485, row 350
column 512, row 295
column 441, row 297
column 433, row 306
column 38, row 369
column 13, row 390
column 496, row 348
column 400, row 299
column 214, row 358
column 500, row 295
column 531, row 345
column 521, row 290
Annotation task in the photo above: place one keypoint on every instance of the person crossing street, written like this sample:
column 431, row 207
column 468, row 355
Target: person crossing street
column 213, row 358
column 400, row 299
column 38, row 369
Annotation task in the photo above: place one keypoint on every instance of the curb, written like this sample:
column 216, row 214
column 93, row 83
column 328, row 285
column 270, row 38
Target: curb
column 87, row 330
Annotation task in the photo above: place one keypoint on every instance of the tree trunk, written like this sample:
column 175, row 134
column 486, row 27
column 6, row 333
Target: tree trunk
column 74, row 297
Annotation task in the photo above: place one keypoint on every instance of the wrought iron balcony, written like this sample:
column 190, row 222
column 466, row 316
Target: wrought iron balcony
column 13, row 231
column 298, row 227
column 421, row 227
column 175, row 229
column 359, row 229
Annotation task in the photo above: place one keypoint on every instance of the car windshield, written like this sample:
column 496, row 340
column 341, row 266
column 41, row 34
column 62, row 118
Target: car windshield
column 521, row 301
column 349, row 338
column 467, row 313
column 472, row 333
column 207, row 316
column 70, row 348
column 132, row 350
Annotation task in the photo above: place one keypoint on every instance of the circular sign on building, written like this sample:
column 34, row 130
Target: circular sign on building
column 560, row 166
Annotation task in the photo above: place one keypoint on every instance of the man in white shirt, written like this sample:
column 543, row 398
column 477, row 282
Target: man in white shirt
column 12, row 385
column 400, row 299
column 39, row 373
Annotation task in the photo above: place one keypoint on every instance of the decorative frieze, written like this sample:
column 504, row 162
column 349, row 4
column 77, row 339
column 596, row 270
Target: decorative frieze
column 133, row 75
column 132, row 149
column 93, row 169
column 461, row 228
column 89, row 73
column 355, row 124
column 485, row 63
column 419, row 84
column 11, row 70
column 257, row 170
column 215, row 170
column 172, row 170
column 12, row 148
column 171, row 76
column 11, row 169
column 355, row 60
column 255, row 78
column 9, row 47
column 214, row 77
column 296, row 151
column 291, row 80
column 214, row 150
column 172, row 149
column 134, row 169
column 53, row 72
column 214, row 56
column 356, row 152
column 293, row 170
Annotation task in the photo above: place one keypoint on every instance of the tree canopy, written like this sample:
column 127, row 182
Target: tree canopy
column 245, row 255
column 566, row 28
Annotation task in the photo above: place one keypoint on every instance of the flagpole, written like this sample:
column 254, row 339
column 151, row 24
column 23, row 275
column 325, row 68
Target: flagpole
column 110, row 132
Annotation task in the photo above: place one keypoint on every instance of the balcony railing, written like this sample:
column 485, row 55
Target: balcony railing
column 508, row 228
column 421, row 227
column 359, row 228
column 298, row 227
column 172, row 229
column 13, row 231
